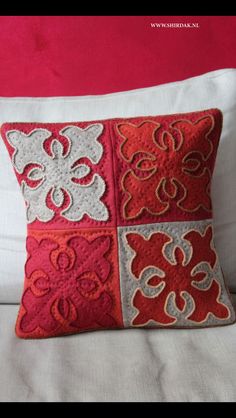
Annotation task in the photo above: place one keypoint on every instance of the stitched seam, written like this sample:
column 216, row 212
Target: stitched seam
column 113, row 170
column 112, row 142
column 69, row 228
column 101, row 228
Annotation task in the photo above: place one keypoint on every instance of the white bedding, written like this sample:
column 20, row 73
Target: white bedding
column 127, row 365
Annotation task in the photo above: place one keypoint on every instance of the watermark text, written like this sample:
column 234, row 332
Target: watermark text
column 173, row 25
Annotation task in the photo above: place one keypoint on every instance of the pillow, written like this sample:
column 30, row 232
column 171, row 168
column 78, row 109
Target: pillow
column 214, row 89
column 120, row 227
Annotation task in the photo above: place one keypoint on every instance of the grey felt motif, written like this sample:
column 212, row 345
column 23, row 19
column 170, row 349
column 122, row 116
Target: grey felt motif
column 56, row 174
column 129, row 283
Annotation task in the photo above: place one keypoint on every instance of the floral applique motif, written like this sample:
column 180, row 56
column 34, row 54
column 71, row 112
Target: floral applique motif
column 64, row 286
column 54, row 173
column 166, row 166
column 181, row 287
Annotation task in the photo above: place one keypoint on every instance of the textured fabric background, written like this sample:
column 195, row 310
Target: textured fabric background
column 74, row 55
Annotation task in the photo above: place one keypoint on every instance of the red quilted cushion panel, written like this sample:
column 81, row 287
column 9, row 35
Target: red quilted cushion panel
column 120, row 230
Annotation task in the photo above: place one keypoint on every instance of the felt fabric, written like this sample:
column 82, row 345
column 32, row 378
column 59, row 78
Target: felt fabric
column 159, row 169
column 170, row 271
column 45, row 164
column 167, row 157
column 77, row 55
column 208, row 90
column 72, row 283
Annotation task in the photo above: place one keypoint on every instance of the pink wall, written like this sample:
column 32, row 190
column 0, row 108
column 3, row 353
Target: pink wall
column 73, row 55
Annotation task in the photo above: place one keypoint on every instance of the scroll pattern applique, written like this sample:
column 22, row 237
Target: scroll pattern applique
column 177, row 278
column 64, row 286
column 166, row 166
column 55, row 173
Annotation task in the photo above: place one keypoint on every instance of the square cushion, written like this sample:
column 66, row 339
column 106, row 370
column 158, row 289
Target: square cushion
column 214, row 89
column 120, row 227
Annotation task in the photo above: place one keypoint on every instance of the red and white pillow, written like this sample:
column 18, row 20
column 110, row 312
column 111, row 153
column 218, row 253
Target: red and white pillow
column 120, row 230
column 214, row 89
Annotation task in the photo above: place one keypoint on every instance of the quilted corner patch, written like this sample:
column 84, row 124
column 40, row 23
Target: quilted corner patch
column 71, row 283
column 173, row 277
column 64, row 172
column 164, row 166
column 120, row 230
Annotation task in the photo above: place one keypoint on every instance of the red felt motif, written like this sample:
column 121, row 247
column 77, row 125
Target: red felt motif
column 71, row 284
column 178, row 279
column 165, row 166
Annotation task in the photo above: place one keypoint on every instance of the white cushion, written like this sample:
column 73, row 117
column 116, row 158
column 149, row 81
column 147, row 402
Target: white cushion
column 214, row 89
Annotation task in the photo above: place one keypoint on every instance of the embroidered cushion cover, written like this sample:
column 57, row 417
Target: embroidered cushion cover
column 120, row 227
column 214, row 89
